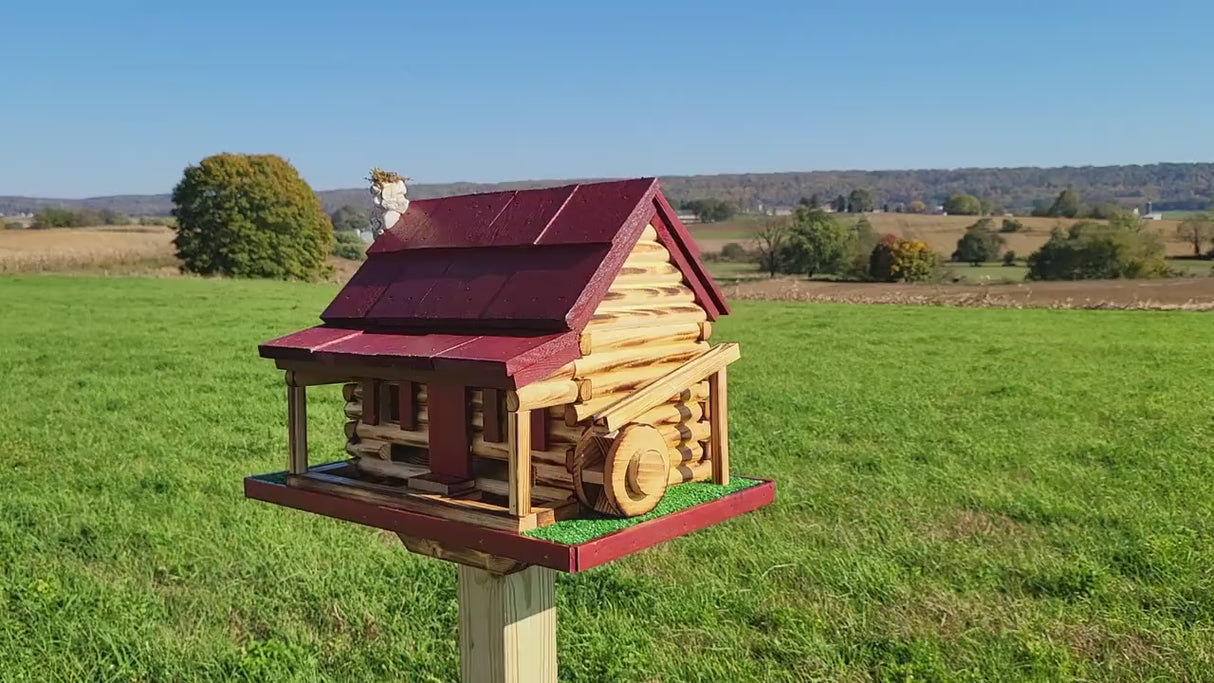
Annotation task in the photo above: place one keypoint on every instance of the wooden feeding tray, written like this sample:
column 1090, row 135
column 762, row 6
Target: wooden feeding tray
column 498, row 549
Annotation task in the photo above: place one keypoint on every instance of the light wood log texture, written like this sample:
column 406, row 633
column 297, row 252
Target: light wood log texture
column 680, row 472
column 463, row 556
column 387, row 468
column 652, row 268
column 507, row 626
column 718, row 414
column 650, row 250
column 684, row 432
column 705, row 331
column 649, row 234
column 635, row 357
column 518, row 438
column 620, row 320
column 686, row 453
column 548, row 393
column 297, row 429
column 655, row 313
column 609, row 339
column 647, row 297
column 648, row 277
column 686, row 473
column 658, row 391
column 636, row 472
column 630, row 379
column 674, row 411
column 540, row 492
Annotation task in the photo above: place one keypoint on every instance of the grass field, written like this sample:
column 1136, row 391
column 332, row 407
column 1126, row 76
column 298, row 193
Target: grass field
column 963, row 495
column 128, row 249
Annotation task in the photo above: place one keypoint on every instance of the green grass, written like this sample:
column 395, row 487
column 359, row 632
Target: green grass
column 590, row 527
column 963, row 494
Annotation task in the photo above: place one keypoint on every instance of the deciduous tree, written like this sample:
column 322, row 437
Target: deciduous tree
column 250, row 216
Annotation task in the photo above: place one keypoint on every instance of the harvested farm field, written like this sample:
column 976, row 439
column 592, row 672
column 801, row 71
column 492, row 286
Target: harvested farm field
column 1190, row 293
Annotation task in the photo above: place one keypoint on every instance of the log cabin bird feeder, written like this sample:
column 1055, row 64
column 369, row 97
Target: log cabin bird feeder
column 512, row 361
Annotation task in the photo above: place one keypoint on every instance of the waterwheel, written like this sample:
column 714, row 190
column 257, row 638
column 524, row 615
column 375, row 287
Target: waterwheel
column 624, row 475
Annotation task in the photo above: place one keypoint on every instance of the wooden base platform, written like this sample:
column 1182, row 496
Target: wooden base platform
column 466, row 537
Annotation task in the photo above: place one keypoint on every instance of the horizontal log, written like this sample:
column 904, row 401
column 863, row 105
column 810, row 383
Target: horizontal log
column 354, row 392
column 499, row 451
column 540, row 491
column 640, row 318
column 648, row 234
column 647, row 278
column 607, row 339
column 351, row 428
column 701, row 471
column 648, row 297
column 369, row 448
column 420, row 439
column 547, row 393
column 637, row 356
column 658, row 268
column 671, row 412
column 686, row 453
column 387, row 468
column 649, row 250
column 631, row 379
column 305, row 378
column 684, row 432
column 392, row 434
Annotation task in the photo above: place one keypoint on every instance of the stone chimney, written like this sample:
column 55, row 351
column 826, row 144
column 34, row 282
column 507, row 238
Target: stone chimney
column 388, row 195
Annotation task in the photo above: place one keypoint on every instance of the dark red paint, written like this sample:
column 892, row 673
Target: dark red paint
column 493, row 410
column 495, row 285
column 370, row 402
column 407, row 406
column 449, row 429
column 539, row 429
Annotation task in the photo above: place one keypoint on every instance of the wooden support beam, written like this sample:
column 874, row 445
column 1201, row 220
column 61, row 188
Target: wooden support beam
column 518, row 437
column 297, row 429
column 718, row 415
column 507, row 626
column 659, row 390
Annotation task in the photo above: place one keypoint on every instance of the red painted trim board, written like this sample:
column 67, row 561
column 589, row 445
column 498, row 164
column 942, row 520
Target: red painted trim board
column 566, row 558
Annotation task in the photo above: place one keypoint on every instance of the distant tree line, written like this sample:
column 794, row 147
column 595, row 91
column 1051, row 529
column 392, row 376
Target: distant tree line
column 51, row 217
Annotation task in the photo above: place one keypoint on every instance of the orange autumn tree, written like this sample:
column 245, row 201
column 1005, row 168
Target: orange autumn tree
column 902, row 259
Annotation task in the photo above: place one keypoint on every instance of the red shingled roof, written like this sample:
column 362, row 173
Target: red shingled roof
column 502, row 281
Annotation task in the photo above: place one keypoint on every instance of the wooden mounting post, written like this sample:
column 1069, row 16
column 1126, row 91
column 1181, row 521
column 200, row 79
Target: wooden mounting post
column 507, row 626
column 518, row 438
column 718, row 414
column 297, row 428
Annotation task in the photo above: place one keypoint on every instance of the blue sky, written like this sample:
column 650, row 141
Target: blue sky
column 118, row 97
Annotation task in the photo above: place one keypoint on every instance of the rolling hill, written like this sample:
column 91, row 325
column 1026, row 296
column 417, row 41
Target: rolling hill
column 1168, row 185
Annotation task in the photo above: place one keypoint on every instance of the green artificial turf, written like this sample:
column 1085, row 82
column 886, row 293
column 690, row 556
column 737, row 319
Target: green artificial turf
column 681, row 497
column 964, row 495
